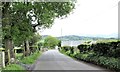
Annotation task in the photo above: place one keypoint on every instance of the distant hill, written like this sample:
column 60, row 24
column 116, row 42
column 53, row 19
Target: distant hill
column 70, row 37
column 75, row 37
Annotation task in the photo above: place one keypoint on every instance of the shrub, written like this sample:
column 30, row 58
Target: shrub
column 65, row 48
column 68, row 52
column 108, row 62
column 83, row 48
column 104, row 54
column 110, row 49
column 71, row 50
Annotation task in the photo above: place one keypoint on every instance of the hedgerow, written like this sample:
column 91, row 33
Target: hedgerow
column 105, row 54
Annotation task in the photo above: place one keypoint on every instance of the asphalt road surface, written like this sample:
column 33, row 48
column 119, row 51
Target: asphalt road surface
column 54, row 60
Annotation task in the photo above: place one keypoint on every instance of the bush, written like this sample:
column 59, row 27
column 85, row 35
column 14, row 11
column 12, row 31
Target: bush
column 68, row 52
column 83, row 48
column 110, row 49
column 101, row 48
column 65, row 48
column 71, row 50
column 108, row 62
column 104, row 54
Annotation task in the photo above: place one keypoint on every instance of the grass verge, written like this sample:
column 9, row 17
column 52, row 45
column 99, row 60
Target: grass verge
column 31, row 59
column 13, row 68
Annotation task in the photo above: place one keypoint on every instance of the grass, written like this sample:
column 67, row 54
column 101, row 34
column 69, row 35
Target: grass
column 19, row 56
column 31, row 59
column 27, row 60
column 13, row 68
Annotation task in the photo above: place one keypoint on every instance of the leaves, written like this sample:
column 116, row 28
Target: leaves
column 50, row 41
column 20, row 27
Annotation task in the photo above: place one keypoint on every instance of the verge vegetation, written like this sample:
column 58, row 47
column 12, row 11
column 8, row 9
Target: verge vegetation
column 105, row 54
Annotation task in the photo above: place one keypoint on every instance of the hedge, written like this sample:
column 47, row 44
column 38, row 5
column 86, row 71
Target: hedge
column 83, row 48
column 108, row 62
column 110, row 49
column 103, row 54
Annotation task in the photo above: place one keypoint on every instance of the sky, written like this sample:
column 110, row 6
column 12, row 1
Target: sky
column 89, row 18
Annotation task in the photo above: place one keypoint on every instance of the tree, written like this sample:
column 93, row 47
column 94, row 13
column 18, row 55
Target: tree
column 34, row 42
column 6, row 30
column 17, row 27
column 59, row 43
column 36, row 38
column 50, row 42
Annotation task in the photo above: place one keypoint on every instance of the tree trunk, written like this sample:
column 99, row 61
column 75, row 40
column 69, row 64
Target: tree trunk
column 12, row 53
column 7, row 38
column 7, row 51
column 26, row 49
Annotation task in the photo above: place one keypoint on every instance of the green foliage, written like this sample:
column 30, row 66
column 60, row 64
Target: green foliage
column 59, row 43
column 35, row 39
column 84, row 48
column 19, row 55
column 47, row 11
column 68, row 50
column 71, row 50
column 33, row 49
column 40, row 44
column 110, row 49
column 13, row 67
column 65, row 48
column 108, row 62
column 103, row 54
column 21, row 32
column 31, row 59
column 50, row 41
column 17, row 26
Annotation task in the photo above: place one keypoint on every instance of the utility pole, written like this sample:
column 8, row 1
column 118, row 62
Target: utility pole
column 61, row 37
column 61, row 31
column 119, row 20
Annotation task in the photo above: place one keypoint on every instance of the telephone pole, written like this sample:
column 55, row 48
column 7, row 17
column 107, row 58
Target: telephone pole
column 61, row 31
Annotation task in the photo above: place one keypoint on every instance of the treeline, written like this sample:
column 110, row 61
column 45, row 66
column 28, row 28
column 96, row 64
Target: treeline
column 103, row 54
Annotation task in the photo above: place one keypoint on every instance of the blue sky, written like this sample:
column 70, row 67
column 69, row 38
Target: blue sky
column 90, row 18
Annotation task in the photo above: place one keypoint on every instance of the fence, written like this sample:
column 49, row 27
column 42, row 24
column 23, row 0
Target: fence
column 2, row 57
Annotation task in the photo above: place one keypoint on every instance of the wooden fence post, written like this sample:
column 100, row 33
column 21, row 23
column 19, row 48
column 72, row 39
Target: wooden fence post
column 2, row 60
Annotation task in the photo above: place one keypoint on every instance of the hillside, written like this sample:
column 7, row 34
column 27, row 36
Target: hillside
column 75, row 37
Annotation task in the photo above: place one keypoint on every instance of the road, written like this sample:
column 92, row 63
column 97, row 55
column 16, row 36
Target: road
column 54, row 60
